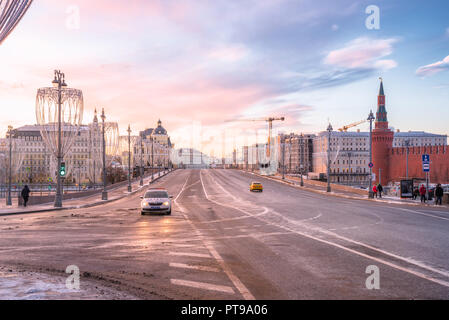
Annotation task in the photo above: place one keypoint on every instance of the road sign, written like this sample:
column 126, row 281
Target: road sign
column 426, row 163
column 371, row 165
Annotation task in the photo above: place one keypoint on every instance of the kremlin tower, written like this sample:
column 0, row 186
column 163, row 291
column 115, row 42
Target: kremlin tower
column 382, row 141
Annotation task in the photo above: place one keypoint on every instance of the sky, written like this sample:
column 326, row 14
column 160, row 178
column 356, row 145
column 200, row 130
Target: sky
column 204, row 66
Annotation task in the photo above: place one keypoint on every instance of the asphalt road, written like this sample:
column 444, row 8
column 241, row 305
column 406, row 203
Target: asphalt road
column 223, row 242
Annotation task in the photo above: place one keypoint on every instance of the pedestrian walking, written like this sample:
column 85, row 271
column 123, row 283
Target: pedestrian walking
column 375, row 191
column 422, row 192
column 380, row 189
column 25, row 195
column 439, row 195
column 415, row 193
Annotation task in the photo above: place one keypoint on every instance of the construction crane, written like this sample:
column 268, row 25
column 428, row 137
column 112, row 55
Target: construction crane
column 352, row 125
column 270, row 127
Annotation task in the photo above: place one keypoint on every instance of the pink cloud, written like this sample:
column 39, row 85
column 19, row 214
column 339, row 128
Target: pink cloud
column 433, row 68
column 363, row 53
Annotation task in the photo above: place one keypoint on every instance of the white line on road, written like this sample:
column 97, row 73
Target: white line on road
column 202, row 285
column 410, row 261
column 423, row 214
column 235, row 280
column 189, row 254
column 193, row 267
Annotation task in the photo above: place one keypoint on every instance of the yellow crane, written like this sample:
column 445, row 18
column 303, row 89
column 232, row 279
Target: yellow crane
column 270, row 127
column 352, row 125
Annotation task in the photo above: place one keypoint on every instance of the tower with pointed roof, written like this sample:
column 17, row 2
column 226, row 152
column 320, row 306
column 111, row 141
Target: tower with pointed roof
column 382, row 140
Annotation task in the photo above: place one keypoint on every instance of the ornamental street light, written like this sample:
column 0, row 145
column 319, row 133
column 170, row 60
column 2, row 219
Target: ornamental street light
column 11, row 12
column 104, row 194
column 329, row 130
column 59, row 112
column 370, row 189
column 129, row 158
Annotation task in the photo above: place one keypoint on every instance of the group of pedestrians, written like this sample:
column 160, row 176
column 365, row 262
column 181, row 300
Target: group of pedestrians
column 378, row 190
column 422, row 191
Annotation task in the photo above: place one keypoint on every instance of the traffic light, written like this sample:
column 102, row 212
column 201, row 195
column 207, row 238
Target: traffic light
column 62, row 170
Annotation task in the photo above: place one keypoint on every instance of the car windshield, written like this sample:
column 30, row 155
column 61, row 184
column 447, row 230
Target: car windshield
column 256, row 183
column 156, row 194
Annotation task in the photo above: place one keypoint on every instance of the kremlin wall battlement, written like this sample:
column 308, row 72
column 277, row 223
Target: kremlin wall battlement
column 390, row 163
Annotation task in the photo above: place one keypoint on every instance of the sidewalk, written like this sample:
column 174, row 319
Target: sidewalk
column 357, row 194
column 85, row 202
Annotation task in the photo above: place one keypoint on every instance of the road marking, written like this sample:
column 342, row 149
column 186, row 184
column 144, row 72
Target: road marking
column 410, row 261
column 189, row 254
column 234, row 279
column 422, row 213
column 202, row 285
column 188, row 266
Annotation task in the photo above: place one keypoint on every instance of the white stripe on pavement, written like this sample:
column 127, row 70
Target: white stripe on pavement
column 189, row 254
column 202, row 285
column 188, row 266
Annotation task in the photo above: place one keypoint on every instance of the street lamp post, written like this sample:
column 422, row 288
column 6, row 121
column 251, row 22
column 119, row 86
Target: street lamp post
column 59, row 83
column 302, row 152
column 370, row 189
column 407, row 144
column 283, row 160
column 329, row 130
column 8, row 199
column 141, row 161
column 129, row 159
column 79, row 176
column 152, row 159
column 104, row 194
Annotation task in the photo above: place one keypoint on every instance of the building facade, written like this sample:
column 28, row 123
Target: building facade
column 349, row 154
column 297, row 153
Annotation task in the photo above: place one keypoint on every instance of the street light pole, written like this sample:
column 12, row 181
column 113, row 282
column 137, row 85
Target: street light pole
column 141, row 161
column 79, row 175
column 370, row 189
column 59, row 83
column 407, row 144
column 129, row 159
column 302, row 151
column 329, row 130
column 8, row 199
column 104, row 194
column 152, row 159
column 283, row 160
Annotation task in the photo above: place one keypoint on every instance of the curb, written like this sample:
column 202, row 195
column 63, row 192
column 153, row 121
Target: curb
column 89, row 205
column 341, row 195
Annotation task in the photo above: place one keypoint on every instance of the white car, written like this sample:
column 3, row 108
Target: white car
column 156, row 201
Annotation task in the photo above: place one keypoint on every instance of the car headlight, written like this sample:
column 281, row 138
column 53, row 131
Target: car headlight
column 166, row 203
column 144, row 204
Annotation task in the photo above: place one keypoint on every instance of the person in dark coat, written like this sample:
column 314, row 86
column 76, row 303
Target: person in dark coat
column 380, row 189
column 25, row 195
column 439, row 195
column 415, row 193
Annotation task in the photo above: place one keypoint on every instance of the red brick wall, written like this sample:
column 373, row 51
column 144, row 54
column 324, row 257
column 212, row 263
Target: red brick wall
column 439, row 163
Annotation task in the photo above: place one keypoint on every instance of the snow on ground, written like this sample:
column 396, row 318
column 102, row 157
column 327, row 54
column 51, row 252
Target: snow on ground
column 38, row 286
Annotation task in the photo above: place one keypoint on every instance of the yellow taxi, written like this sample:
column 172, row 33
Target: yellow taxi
column 256, row 186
